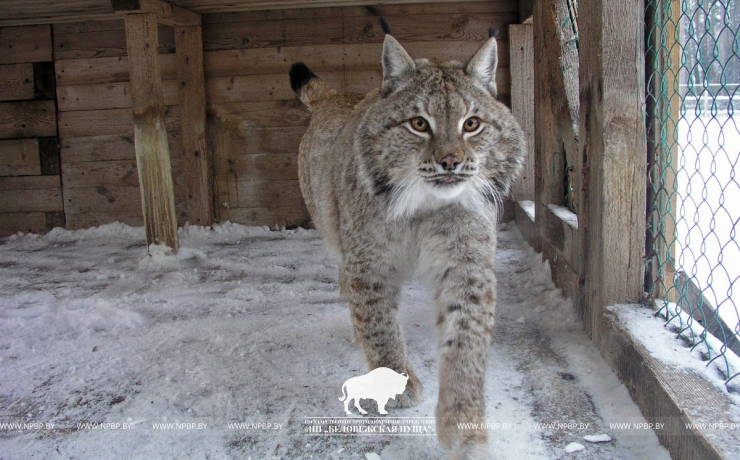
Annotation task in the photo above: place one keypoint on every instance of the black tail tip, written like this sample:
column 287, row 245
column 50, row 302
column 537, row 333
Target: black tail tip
column 492, row 32
column 300, row 74
column 384, row 25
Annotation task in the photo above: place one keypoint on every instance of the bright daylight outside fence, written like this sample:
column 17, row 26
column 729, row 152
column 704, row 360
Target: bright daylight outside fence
column 693, row 246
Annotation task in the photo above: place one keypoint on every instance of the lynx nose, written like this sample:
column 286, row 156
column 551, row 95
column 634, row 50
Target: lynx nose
column 449, row 162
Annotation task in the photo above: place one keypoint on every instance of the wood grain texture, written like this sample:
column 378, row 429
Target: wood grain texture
column 26, row 119
column 16, row 82
column 25, row 44
column 25, row 12
column 110, row 147
column 26, row 222
column 521, row 56
column 88, row 123
column 19, row 157
column 197, row 153
column 104, row 43
column 669, row 395
column 87, row 71
column 150, row 133
column 30, row 194
column 612, row 135
column 167, row 13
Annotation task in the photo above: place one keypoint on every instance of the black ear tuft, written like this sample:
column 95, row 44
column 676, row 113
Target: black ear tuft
column 492, row 32
column 384, row 25
column 300, row 74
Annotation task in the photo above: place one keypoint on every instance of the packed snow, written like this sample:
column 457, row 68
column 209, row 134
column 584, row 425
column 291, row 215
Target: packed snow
column 224, row 350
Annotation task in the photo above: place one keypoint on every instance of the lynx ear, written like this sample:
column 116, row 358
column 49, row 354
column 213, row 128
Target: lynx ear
column 397, row 65
column 482, row 66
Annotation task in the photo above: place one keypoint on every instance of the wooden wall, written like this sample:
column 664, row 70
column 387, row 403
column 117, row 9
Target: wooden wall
column 30, row 193
column 255, row 122
column 99, row 177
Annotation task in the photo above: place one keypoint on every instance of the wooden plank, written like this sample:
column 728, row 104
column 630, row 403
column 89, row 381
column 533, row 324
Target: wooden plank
column 78, row 221
column 107, row 199
column 197, row 152
column 522, row 101
column 271, row 34
column 24, row 119
column 109, row 43
column 253, row 115
column 276, row 87
column 266, row 140
column 19, row 157
column 25, row 44
column 167, row 13
column 106, row 96
column 86, row 71
column 429, row 27
column 268, row 194
column 289, row 217
column 669, row 395
column 260, row 167
column 16, row 12
column 30, row 194
column 116, row 173
column 334, row 58
column 26, row 222
column 90, row 123
column 612, row 131
column 150, row 135
column 110, row 147
column 16, row 82
column 249, row 13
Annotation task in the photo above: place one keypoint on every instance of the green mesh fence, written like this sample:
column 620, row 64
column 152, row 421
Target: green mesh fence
column 693, row 246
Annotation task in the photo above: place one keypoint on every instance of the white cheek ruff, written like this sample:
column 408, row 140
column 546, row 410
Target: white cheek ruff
column 416, row 196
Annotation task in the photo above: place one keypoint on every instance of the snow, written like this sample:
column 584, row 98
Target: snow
column 598, row 438
column 574, row 447
column 224, row 350
column 565, row 214
column 665, row 346
column 529, row 208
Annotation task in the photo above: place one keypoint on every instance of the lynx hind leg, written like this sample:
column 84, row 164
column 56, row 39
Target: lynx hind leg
column 373, row 302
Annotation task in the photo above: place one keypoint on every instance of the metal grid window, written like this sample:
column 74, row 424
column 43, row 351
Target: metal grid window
column 693, row 246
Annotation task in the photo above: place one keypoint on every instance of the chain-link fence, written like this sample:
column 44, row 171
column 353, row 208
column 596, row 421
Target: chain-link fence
column 693, row 246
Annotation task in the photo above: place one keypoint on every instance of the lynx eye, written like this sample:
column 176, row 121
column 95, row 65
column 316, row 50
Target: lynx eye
column 471, row 124
column 419, row 124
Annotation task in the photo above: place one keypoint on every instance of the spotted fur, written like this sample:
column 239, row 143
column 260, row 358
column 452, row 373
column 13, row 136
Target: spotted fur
column 390, row 200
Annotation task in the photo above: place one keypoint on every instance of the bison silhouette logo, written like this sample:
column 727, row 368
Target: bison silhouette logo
column 381, row 384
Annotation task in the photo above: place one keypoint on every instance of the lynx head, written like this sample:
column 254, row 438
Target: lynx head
column 437, row 136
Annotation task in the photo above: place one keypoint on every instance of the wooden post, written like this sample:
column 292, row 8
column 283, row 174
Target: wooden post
column 613, row 142
column 198, row 169
column 150, row 134
column 522, row 101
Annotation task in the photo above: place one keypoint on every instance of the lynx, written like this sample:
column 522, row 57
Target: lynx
column 409, row 180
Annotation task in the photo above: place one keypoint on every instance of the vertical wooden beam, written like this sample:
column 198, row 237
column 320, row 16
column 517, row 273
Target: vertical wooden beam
column 613, row 144
column 150, row 134
column 521, row 60
column 198, row 162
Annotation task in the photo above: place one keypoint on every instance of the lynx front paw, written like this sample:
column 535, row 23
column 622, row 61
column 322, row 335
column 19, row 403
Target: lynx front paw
column 461, row 440
column 411, row 396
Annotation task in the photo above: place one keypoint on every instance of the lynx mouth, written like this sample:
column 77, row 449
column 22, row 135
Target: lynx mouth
column 447, row 180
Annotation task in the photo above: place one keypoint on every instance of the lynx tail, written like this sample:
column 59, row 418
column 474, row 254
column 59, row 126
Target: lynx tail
column 309, row 88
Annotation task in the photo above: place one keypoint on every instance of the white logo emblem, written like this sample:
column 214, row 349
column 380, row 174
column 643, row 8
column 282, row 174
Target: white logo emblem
column 381, row 384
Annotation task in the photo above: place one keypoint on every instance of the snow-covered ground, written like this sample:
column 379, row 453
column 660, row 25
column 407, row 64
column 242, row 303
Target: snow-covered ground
column 246, row 325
